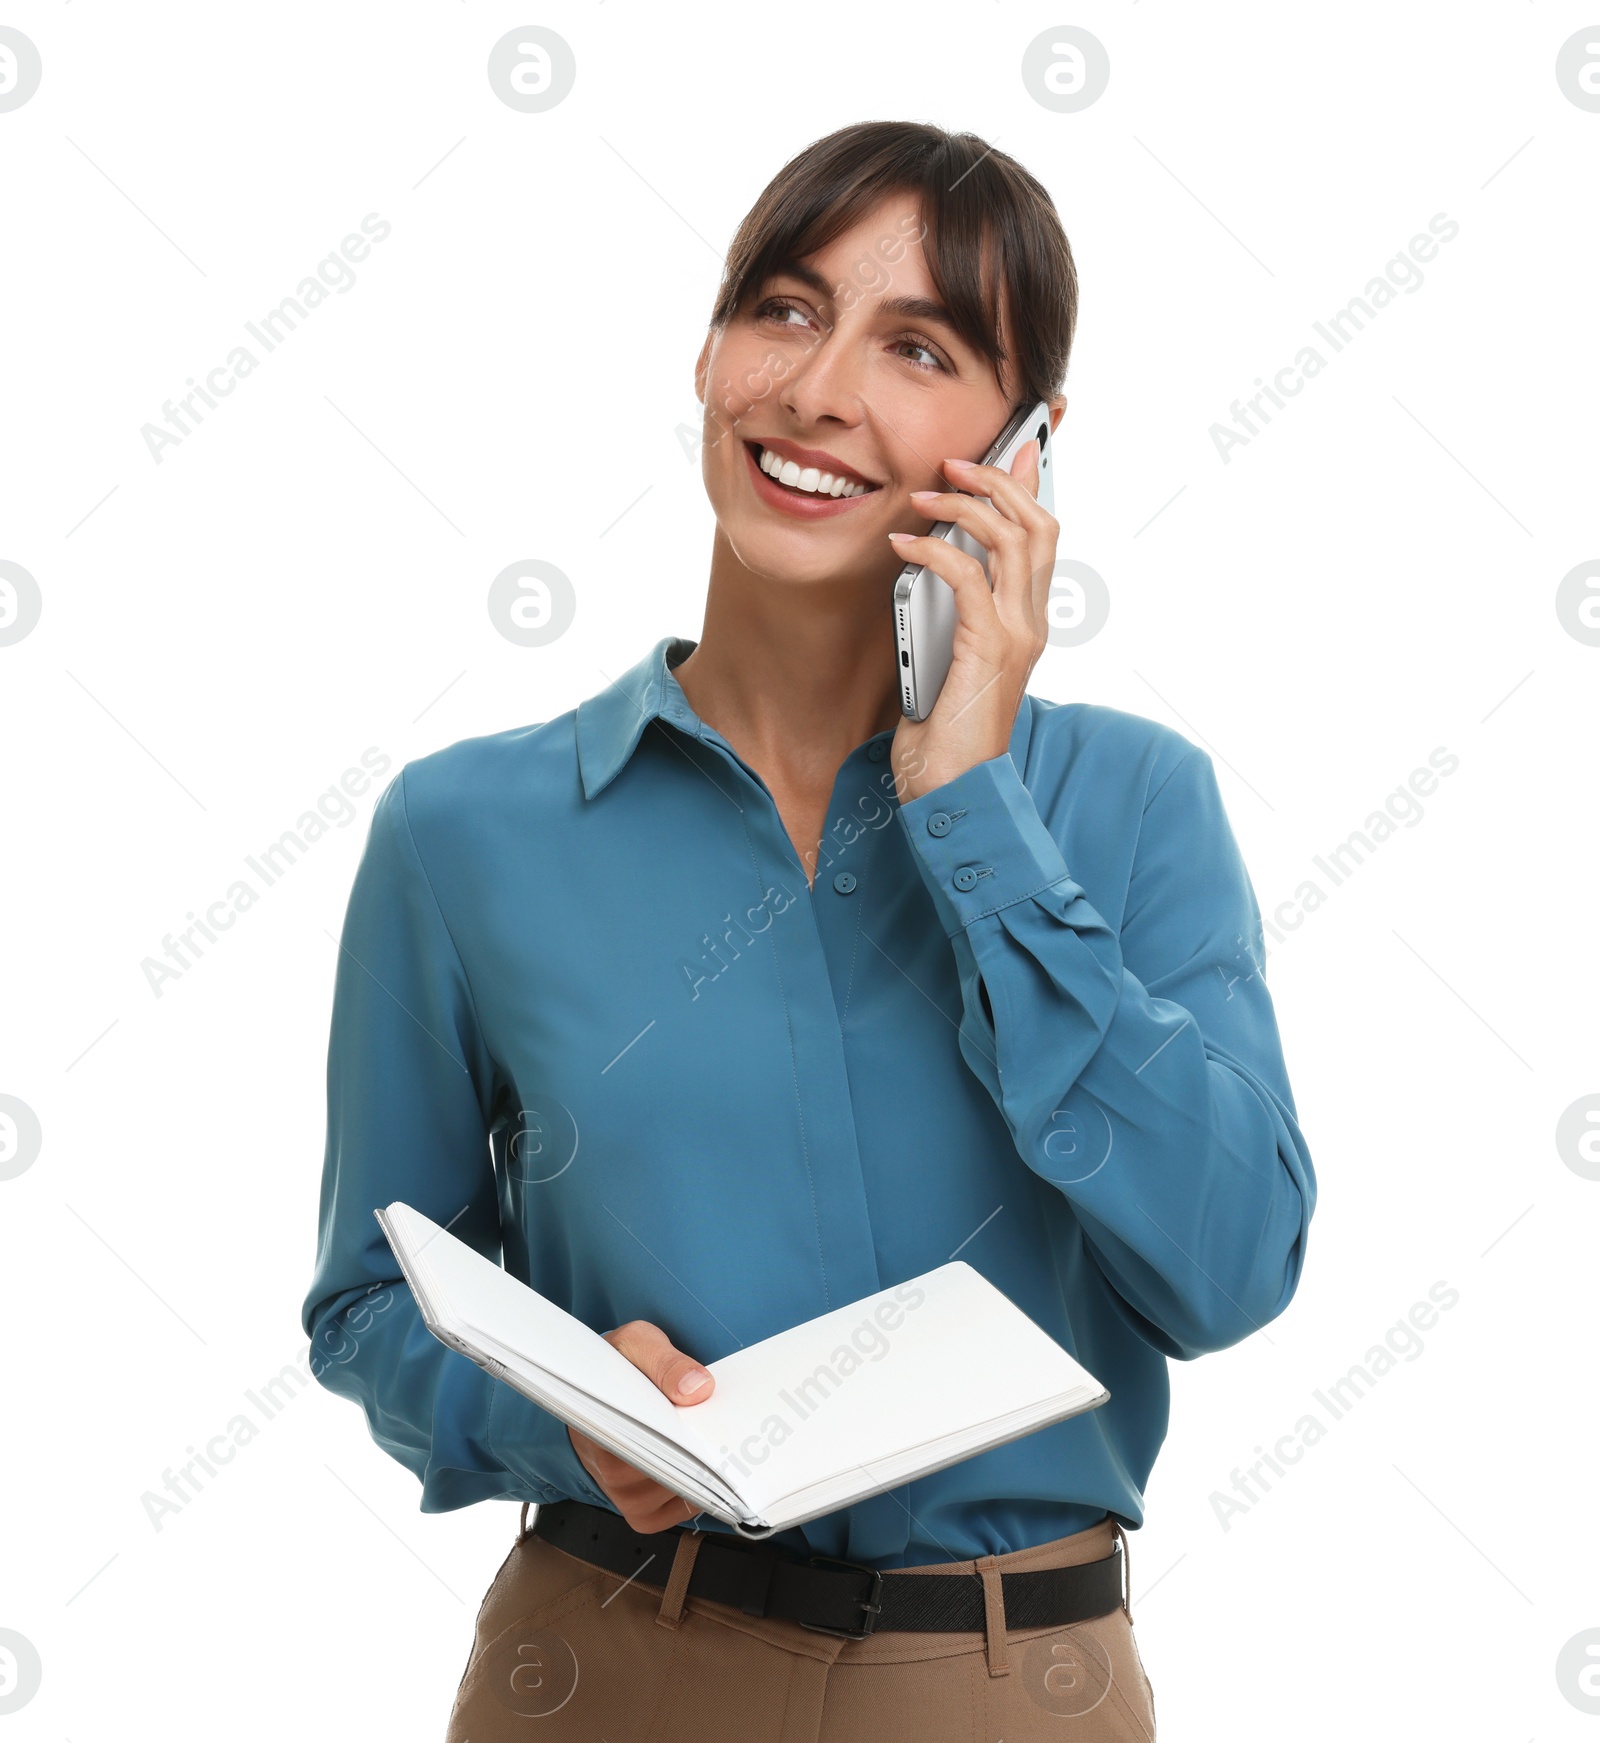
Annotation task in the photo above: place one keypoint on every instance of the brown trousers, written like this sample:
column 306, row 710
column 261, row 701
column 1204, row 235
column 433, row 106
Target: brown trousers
column 565, row 1652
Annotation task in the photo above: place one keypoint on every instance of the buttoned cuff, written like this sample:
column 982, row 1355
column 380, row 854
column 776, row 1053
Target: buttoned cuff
column 981, row 844
column 533, row 1445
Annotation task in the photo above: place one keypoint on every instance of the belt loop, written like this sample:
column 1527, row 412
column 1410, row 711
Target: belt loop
column 677, row 1588
column 522, row 1525
column 994, row 1613
column 1127, row 1569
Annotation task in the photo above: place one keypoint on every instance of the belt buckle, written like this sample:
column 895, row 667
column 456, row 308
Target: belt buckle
column 870, row 1605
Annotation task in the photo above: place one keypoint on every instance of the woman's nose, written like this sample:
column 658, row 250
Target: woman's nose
column 824, row 384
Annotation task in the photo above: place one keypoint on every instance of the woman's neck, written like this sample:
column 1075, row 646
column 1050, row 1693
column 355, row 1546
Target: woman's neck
column 793, row 676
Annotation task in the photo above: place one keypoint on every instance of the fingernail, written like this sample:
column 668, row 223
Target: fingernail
column 926, row 493
column 898, row 537
column 960, row 462
column 693, row 1380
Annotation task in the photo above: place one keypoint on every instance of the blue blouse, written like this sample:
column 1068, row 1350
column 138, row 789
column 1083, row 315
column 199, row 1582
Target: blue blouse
column 589, row 1015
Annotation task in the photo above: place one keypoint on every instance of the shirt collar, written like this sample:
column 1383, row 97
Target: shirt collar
column 611, row 722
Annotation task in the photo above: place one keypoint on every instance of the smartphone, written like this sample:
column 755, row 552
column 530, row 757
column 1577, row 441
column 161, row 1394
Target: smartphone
column 924, row 603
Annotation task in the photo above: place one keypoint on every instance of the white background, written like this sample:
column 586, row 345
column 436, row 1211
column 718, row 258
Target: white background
column 223, row 633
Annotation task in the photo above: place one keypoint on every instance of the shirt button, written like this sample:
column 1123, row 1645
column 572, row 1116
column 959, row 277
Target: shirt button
column 877, row 750
column 965, row 878
column 845, row 883
column 939, row 823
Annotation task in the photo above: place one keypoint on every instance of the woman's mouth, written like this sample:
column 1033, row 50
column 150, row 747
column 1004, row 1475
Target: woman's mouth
column 807, row 491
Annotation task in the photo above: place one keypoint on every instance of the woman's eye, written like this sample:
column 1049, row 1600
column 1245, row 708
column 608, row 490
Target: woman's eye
column 776, row 307
column 917, row 345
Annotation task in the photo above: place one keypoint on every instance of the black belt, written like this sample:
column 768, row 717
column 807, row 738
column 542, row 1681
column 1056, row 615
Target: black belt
column 847, row 1598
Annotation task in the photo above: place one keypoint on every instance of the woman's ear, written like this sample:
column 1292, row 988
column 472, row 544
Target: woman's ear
column 1058, row 405
column 701, row 364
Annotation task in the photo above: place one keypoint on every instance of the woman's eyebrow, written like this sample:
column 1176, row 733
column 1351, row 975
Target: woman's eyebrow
column 899, row 308
column 918, row 309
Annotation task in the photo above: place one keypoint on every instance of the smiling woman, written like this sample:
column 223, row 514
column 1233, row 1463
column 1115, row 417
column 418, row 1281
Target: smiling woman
column 1002, row 1015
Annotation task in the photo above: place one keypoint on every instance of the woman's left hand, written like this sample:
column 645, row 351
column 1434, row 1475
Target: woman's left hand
column 1000, row 633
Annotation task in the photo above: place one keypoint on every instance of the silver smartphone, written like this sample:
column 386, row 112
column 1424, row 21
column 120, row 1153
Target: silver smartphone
column 925, row 605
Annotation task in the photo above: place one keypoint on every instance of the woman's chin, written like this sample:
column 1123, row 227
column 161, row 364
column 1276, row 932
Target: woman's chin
column 806, row 558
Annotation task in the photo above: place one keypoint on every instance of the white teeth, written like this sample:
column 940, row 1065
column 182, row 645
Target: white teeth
column 808, row 478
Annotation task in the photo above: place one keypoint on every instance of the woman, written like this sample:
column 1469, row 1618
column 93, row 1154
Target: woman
column 732, row 996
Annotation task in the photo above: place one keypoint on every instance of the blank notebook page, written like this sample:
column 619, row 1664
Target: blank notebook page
column 965, row 1355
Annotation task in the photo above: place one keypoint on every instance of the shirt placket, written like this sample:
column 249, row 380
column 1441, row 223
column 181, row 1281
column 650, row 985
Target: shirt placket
column 822, row 1105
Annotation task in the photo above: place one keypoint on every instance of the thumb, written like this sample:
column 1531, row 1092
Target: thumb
column 651, row 1351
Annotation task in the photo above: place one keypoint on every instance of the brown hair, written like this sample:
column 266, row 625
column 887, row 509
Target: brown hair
column 987, row 223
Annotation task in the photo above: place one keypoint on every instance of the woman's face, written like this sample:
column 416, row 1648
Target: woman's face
column 840, row 366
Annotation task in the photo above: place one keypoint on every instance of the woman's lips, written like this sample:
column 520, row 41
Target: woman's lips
column 802, row 505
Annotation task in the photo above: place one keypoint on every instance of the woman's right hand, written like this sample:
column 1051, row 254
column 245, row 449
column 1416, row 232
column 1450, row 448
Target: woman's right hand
column 646, row 1504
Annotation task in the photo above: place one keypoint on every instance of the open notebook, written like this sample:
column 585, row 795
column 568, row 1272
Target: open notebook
column 856, row 1401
